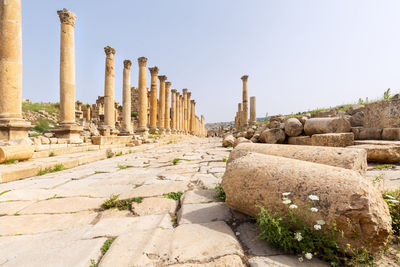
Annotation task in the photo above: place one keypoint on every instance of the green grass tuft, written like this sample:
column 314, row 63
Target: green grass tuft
column 220, row 193
column 176, row 160
column 9, row 162
column 57, row 168
column 173, row 195
column 107, row 244
column 124, row 167
column 224, row 159
column 384, row 166
column 392, row 198
column 6, row 191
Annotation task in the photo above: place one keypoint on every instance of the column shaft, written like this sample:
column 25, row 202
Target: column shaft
column 142, row 127
column 109, row 84
column 185, row 110
column 253, row 114
column 167, row 123
column 161, row 103
column 153, row 99
column 126, row 99
column 245, row 115
column 173, row 110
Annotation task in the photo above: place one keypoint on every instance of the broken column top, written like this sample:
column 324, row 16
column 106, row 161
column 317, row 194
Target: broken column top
column 109, row 50
column 168, row 84
column 67, row 16
column 127, row 64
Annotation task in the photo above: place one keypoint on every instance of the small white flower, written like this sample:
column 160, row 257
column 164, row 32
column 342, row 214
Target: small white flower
column 314, row 209
column 389, row 196
column 313, row 197
column 317, row 227
column 393, row 200
column 301, row 259
column 321, row 222
column 293, row 206
column 287, row 201
column 298, row 236
column 285, row 194
column 308, row 256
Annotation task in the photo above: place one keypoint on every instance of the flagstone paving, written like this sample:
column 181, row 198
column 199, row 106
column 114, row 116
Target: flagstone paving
column 57, row 220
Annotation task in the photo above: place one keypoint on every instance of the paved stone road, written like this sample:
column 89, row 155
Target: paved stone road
column 55, row 219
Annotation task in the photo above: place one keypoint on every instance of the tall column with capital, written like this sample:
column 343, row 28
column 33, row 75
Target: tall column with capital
column 153, row 100
column 202, row 125
column 68, row 127
column 193, row 117
column 167, row 123
column 109, row 83
column 126, row 99
column 161, row 107
column 245, row 114
column 178, row 112
column 253, row 116
column 185, row 111
column 182, row 114
column 142, row 127
column 173, row 111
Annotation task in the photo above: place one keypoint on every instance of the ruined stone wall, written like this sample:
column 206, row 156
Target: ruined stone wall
column 382, row 114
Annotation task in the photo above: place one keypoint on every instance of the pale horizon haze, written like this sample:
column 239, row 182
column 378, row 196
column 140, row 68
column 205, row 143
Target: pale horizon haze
column 299, row 55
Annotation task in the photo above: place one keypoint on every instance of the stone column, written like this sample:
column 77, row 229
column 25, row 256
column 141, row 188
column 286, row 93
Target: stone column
column 153, row 100
column 240, row 113
column 88, row 113
column 178, row 111
column 142, row 127
column 202, row 125
column 245, row 115
column 189, row 94
column 253, row 115
column 193, row 116
column 161, row 107
column 185, row 110
column 182, row 115
column 167, row 122
column 173, row 111
column 108, row 128
column 126, row 100
column 68, row 127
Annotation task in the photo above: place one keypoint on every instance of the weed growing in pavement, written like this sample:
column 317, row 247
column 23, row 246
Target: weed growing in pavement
column 173, row 195
column 123, row 167
column 9, row 162
column 384, row 166
column 176, row 160
column 224, row 159
column 57, row 168
column 107, row 245
column 220, row 193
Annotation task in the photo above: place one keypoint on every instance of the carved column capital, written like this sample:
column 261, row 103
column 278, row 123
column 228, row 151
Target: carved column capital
column 127, row 64
column 162, row 78
column 66, row 17
column 142, row 61
column 154, row 71
column 109, row 50
column 184, row 91
column 189, row 94
column 244, row 78
column 168, row 84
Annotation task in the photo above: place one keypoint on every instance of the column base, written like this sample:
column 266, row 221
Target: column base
column 161, row 130
column 11, row 129
column 142, row 131
column 106, row 130
column 125, row 133
column 153, row 130
column 168, row 131
column 71, row 132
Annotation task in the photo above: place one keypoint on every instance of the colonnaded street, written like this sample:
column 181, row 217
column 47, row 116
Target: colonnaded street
column 57, row 220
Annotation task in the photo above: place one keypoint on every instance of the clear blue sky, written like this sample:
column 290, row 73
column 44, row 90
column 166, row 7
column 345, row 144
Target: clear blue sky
column 299, row 55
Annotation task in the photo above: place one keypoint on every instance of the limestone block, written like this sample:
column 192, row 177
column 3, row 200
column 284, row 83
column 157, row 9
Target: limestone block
column 108, row 140
column 382, row 114
column 333, row 139
column 199, row 196
column 44, row 140
column 300, row 140
column 345, row 196
column 230, row 260
column 228, row 140
column 381, row 153
column 273, row 136
column 155, row 205
column 204, row 213
column 355, row 108
column 53, row 141
column 326, row 113
column 326, row 125
column 293, row 127
column 240, row 140
column 361, row 133
column 353, row 159
column 357, row 119
column 20, row 152
column 255, row 138
column 391, row 134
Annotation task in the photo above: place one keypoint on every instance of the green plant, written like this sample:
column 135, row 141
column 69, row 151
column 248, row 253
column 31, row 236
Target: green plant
column 137, row 199
column 176, row 160
column 384, row 166
column 174, row 219
column 57, row 168
column 107, row 245
column 93, row 263
column 378, row 178
column 220, row 193
column 120, row 204
column 48, row 107
column 54, row 197
column 6, row 191
column 392, row 198
column 123, row 167
column 9, row 162
column 42, row 125
column 230, row 145
column 119, row 154
column 109, row 203
column 224, row 159
column 386, row 94
column 289, row 231
column 173, row 195
column 97, row 172
column 51, row 154
column 134, row 114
